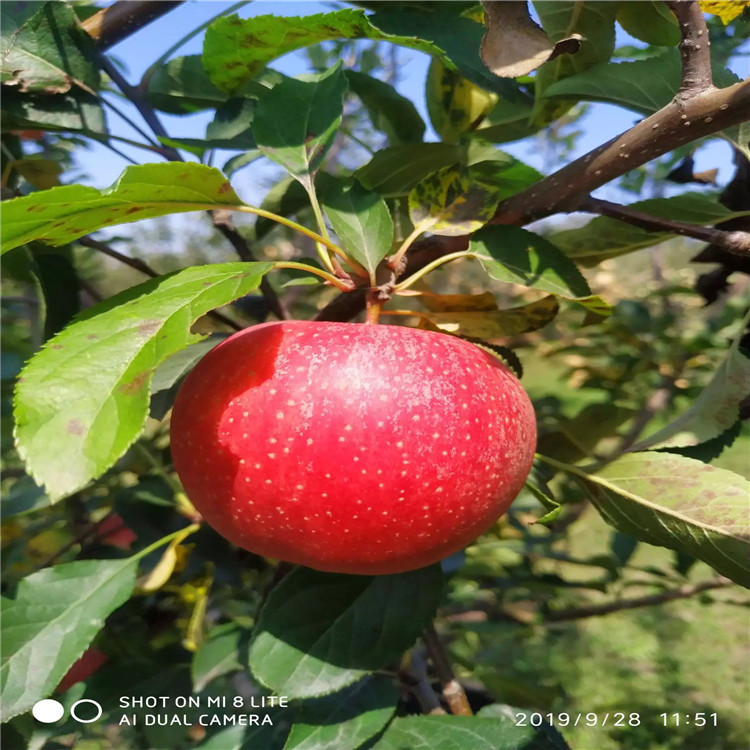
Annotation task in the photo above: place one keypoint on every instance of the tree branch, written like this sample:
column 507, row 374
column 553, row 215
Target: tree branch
column 102, row 247
column 136, row 97
column 417, row 680
column 682, row 592
column 678, row 123
column 120, row 20
column 452, row 691
column 222, row 220
column 695, row 52
column 735, row 241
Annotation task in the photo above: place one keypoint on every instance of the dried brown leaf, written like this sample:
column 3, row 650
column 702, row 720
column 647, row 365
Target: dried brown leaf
column 514, row 45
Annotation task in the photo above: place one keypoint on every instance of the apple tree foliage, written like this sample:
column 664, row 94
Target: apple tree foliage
column 178, row 610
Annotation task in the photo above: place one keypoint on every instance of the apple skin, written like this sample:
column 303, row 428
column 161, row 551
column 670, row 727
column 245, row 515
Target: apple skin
column 351, row 448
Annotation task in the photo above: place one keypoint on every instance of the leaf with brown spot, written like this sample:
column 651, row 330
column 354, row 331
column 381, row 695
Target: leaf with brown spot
column 680, row 503
column 136, row 384
column 49, row 53
column 62, row 214
column 514, row 45
column 235, row 50
column 84, row 398
column 74, row 427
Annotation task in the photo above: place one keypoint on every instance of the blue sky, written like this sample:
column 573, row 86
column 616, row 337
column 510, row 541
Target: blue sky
column 138, row 51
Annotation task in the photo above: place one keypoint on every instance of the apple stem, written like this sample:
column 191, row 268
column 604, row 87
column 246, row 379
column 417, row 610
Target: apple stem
column 374, row 306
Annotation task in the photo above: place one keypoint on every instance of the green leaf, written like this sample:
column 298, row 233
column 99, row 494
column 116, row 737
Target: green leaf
column 14, row 15
column 603, row 238
column 644, row 85
column 464, row 733
column 650, row 21
column 506, row 175
column 241, row 160
column 517, row 256
column 361, row 221
column 390, row 112
column 235, row 50
column 65, row 213
column 59, row 283
column 508, row 121
column 286, row 198
column 23, row 497
column 182, row 86
column 230, row 127
column 679, row 503
column 251, row 736
column 451, row 202
column 453, row 38
column 713, row 448
column 54, row 616
column 739, row 137
column 714, row 411
column 595, row 22
column 296, row 121
column 345, row 719
column 455, row 105
column 395, row 170
column 169, row 374
column 74, row 112
column 50, row 54
column 319, row 632
column 537, row 484
column 218, row 655
column 83, row 399
column 547, row 733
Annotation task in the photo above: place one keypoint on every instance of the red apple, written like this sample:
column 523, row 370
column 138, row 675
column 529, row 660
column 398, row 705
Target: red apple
column 91, row 660
column 112, row 530
column 348, row 448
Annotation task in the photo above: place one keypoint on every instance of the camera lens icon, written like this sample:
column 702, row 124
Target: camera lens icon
column 48, row 711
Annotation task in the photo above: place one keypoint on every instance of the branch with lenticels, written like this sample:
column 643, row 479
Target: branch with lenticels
column 736, row 242
column 697, row 110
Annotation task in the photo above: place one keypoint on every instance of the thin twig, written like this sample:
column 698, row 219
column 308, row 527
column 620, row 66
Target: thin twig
column 682, row 592
column 222, row 220
column 128, row 120
column 452, row 691
column 136, row 97
column 695, row 48
column 657, row 402
column 102, row 247
column 89, row 530
column 735, row 242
